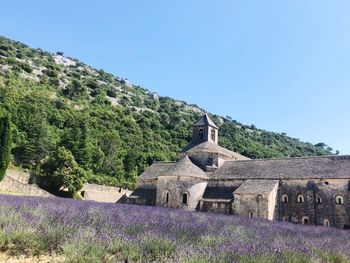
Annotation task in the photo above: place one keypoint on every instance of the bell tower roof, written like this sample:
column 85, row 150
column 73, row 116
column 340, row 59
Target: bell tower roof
column 205, row 130
column 204, row 121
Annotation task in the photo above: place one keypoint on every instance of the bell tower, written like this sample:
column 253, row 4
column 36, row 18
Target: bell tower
column 205, row 130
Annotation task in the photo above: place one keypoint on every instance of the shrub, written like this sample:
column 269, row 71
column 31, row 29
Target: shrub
column 26, row 67
column 62, row 171
column 111, row 92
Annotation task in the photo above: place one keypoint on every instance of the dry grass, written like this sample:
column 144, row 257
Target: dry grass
column 4, row 257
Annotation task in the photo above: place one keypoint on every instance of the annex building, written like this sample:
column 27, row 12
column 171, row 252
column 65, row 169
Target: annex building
column 210, row 178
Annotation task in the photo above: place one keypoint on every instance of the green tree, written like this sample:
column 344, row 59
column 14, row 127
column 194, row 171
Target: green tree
column 61, row 171
column 5, row 144
column 78, row 140
column 37, row 142
column 75, row 90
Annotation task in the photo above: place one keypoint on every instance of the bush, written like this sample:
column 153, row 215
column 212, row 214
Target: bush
column 111, row 92
column 26, row 67
column 75, row 90
column 62, row 171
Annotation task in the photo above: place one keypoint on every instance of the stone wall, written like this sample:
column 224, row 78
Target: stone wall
column 102, row 193
column 136, row 200
column 16, row 182
column 319, row 201
column 261, row 205
column 318, row 207
column 176, row 187
column 216, row 206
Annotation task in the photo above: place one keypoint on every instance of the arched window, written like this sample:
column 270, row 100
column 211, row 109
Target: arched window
column 211, row 161
column 339, row 200
column 213, row 136
column 201, row 133
column 250, row 214
column 184, row 198
column 318, row 200
column 300, row 199
column 326, row 222
column 305, row 220
column 284, row 198
column 166, row 197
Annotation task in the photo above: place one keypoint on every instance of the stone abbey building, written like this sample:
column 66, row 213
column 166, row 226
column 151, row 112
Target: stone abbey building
column 207, row 177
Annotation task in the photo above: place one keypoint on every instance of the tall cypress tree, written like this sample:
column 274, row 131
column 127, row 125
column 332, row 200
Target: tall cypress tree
column 5, row 144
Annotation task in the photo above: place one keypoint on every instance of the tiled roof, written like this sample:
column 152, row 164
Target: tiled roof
column 205, row 120
column 212, row 148
column 185, row 167
column 286, row 168
column 255, row 187
column 155, row 170
column 219, row 192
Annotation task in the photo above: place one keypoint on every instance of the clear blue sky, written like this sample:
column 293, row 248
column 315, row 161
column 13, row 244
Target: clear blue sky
column 283, row 66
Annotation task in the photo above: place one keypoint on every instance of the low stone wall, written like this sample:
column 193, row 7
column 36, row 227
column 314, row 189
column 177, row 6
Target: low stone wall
column 102, row 193
column 18, row 183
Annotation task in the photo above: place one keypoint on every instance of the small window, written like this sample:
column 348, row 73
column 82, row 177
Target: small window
column 166, row 197
column 305, row 220
column 339, row 200
column 215, row 205
column 300, row 199
column 250, row 214
column 201, row 133
column 184, row 199
column 213, row 135
column 326, row 222
column 259, row 198
column 284, row 198
column 318, row 200
column 326, row 183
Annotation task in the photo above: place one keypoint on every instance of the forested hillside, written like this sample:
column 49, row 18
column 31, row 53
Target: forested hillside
column 113, row 128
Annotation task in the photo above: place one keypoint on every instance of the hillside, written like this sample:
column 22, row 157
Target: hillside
column 114, row 128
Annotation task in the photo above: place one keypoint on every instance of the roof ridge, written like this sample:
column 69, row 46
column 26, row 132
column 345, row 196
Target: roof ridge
column 154, row 162
column 291, row 158
column 196, row 171
column 220, row 149
column 206, row 121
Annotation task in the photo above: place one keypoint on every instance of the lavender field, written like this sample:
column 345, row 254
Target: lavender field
column 81, row 231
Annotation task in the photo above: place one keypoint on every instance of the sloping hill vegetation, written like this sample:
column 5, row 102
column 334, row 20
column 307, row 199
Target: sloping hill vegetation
column 82, row 231
column 114, row 129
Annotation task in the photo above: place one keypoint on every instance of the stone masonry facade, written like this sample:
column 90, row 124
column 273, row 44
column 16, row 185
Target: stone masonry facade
column 209, row 178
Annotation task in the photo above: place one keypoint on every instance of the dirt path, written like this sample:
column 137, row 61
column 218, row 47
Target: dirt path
column 30, row 259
